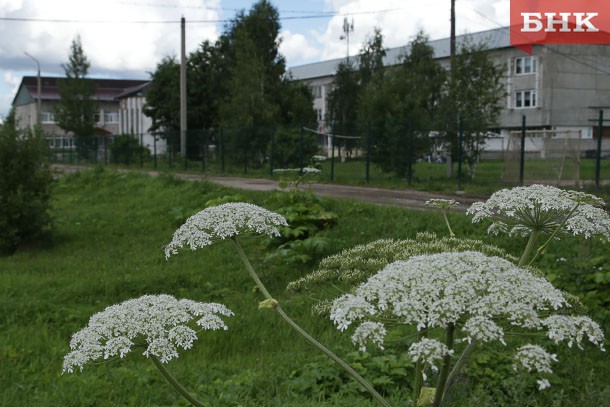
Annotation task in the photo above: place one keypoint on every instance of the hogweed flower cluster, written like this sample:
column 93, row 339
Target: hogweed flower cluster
column 442, row 203
column 354, row 265
column 223, row 222
column 543, row 208
column 160, row 324
column 466, row 290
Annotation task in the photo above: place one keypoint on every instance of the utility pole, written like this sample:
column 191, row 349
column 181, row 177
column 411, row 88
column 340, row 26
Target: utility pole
column 183, row 89
column 452, row 38
column 453, row 137
column 347, row 28
column 38, row 90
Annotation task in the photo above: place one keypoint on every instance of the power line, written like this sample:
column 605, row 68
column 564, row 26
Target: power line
column 211, row 21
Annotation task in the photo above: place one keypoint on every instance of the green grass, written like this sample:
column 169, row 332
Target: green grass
column 107, row 247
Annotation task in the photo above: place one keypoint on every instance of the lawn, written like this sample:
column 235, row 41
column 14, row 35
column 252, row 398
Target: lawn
column 107, row 247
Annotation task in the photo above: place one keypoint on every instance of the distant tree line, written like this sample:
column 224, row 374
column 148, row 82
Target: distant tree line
column 403, row 105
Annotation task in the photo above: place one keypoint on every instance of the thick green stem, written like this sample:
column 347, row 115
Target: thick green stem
column 444, row 373
column 529, row 247
column 458, row 366
column 172, row 380
column 419, row 378
column 451, row 234
column 302, row 332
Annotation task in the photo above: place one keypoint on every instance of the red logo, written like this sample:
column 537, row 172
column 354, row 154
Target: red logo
column 559, row 22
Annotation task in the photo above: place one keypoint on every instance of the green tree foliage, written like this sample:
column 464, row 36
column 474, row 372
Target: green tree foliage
column 239, row 83
column 410, row 97
column 25, row 187
column 475, row 92
column 76, row 109
column 205, row 85
column 255, row 78
column 343, row 106
column 163, row 96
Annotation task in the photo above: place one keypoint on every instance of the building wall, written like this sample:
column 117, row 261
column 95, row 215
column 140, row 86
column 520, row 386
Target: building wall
column 133, row 121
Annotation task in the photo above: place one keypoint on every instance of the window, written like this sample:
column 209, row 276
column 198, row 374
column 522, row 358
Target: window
column 525, row 65
column 316, row 91
column 525, row 98
column 47, row 117
column 97, row 117
column 319, row 115
column 111, row 117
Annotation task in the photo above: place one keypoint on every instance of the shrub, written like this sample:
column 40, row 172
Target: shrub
column 126, row 149
column 25, row 185
column 292, row 151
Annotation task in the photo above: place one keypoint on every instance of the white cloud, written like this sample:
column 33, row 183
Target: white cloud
column 400, row 20
column 297, row 48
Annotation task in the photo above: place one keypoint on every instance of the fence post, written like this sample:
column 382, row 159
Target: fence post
column 368, row 151
column 332, row 158
column 272, row 153
column 409, row 151
column 522, row 155
column 155, row 150
column 141, row 150
column 203, row 149
column 598, row 155
column 186, row 143
column 171, row 150
column 246, row 147
column 301, row 163
column 222, row 151
column 460, row 139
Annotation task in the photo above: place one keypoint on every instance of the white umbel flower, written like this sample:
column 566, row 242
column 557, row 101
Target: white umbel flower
column 160, row 324
column 436, row 290
column 223, row 222
column 442, row 203
column 520, row 210
column 535, row 358
column 429, row 351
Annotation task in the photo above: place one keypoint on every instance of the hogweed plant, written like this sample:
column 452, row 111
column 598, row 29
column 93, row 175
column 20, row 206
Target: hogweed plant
column 160, row 325
column 542, row 210
column 455, row 297
column 444, row 205
column 227, row 222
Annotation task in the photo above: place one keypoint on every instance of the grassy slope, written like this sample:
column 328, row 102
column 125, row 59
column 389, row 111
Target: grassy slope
column 110, row 230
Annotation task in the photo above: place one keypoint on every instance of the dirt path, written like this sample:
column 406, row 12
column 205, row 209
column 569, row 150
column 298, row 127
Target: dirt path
column 404, row 197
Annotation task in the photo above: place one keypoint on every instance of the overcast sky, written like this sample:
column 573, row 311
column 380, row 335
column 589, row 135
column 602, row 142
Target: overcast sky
column 127, row 38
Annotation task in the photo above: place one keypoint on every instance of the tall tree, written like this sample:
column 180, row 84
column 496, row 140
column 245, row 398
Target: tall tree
column 255, row 83
column 343, row 105
column 409, row 101
column 207, row 69
column 475, row 93
column 163, row 96
column 76, row 110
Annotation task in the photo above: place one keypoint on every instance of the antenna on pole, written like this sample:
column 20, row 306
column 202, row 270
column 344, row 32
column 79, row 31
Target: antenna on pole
column 347, row 28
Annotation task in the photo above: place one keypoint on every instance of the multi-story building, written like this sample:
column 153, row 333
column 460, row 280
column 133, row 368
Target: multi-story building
column 119, row 105
column 557, row 87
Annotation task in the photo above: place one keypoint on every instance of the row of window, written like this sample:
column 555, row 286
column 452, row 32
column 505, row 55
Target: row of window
column 109, row 117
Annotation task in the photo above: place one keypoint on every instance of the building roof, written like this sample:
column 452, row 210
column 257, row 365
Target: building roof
column 137, row 90
column 106, row 90
column 494, row 39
